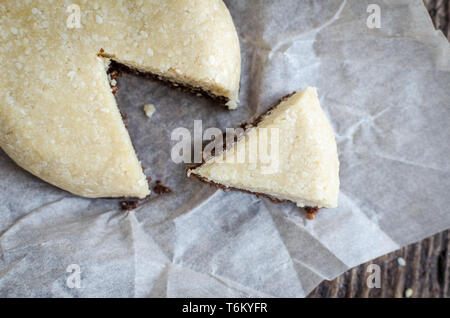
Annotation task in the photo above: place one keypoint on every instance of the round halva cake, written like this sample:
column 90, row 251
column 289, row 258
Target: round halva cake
column 58, row 117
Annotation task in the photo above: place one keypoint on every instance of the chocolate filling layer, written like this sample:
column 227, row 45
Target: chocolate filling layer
column 118, row 68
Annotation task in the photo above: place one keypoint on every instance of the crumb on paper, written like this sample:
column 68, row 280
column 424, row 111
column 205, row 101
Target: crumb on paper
column 129, row 205
column 409, row 292
column 149, row 110
column 401, row 261
column 311, row 212
column 160, row 188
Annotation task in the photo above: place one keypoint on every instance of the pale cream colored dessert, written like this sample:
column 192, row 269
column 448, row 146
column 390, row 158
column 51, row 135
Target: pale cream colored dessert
column 301, row 164
column 58, row 117
column 149, row 110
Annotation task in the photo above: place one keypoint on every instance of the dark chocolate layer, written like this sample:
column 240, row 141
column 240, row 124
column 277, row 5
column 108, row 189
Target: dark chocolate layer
column 118, row 68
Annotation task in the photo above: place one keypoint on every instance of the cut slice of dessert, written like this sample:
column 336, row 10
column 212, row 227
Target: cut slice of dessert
column 290, row 154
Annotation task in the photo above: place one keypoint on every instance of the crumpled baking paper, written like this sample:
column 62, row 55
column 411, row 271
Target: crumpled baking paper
column 387, row 94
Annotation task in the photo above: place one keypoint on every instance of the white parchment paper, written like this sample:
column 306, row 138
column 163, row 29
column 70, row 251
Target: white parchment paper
column 387, row 94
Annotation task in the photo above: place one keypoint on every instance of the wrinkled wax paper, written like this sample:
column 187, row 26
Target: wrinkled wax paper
column 387, row 94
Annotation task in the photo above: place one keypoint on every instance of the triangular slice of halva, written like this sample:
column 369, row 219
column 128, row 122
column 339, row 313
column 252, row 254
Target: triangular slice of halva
column 290, row 154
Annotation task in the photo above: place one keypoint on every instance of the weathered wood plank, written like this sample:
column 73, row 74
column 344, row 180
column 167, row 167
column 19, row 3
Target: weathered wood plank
column 426, row 272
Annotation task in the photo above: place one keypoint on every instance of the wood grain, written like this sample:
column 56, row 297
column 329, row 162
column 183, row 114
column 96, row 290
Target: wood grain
column 440, row 14
column 426, row 272
column 427, row 264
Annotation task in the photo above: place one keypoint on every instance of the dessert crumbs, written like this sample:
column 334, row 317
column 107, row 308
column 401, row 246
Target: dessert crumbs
column 101, row 52
column 160, row 188
column 149, row 110
column 128, row 205
column 311, row 212
column 114, row 75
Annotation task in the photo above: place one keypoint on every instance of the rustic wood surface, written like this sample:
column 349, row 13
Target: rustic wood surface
column 426, row 271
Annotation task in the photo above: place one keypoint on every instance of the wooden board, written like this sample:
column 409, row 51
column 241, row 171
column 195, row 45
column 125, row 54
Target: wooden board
column 427, row 264
column 426, row 272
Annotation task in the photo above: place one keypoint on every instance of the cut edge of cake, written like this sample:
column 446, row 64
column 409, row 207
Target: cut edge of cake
column 224, row 98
